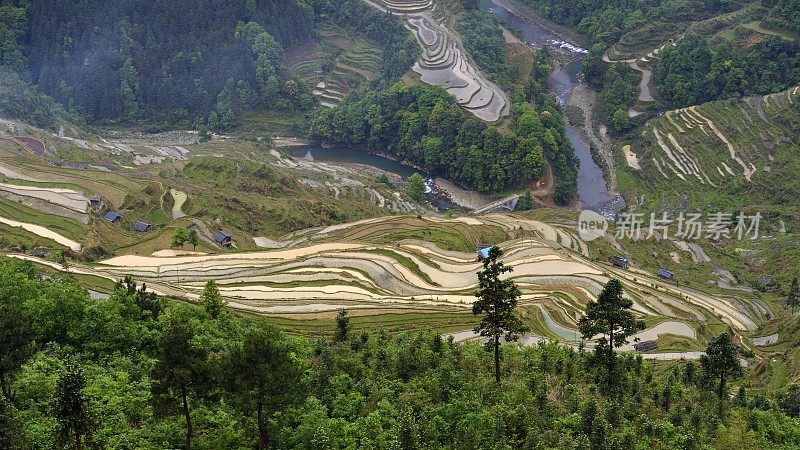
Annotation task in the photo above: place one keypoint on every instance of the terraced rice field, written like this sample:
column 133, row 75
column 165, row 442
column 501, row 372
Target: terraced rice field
column 353, row 60
column 179, row 198
column 370, row 269
column 67, row 198
column 444, row 61
column 721, row 141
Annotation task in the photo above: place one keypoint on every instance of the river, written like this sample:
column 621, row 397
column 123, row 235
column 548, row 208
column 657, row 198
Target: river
column 593, row 191
column 339, row 154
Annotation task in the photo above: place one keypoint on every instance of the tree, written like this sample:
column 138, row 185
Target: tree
column 416, row 187
column 721, row 362
column 12, row 428
column 497, row 299
column 620, row 121
column 193, row 238
column 182, row 368
column 212, row 300
column 525, row 202
column 793, row 299
column 264, row 376
column 179, row 237
column 16, row 330
column 70, row 406
column 610, row 317
column 343, row 326
column 130, row 88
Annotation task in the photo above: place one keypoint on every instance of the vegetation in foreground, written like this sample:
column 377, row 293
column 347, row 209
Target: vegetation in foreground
column 136, row 371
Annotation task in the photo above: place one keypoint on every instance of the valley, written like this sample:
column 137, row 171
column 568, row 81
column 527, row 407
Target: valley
column 399, row 224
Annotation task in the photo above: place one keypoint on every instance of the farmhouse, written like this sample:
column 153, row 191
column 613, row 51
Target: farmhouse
column 141, row 227
column 223, row 238
column 645, row 346
column 665, row 274
column 113, row 217
column 619, row 261
column 94, row 202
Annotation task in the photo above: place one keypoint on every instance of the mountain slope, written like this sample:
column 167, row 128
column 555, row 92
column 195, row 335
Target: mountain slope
column 722, row 154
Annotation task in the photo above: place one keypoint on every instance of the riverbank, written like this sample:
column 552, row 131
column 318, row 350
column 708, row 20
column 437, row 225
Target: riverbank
column 584, row 98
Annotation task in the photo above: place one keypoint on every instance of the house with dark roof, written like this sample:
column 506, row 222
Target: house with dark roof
column 619, row 261
column 645, row 346
column 95, row 202
column 141, row 227
column 113, row 217
column 223, row 238
column 665, row 274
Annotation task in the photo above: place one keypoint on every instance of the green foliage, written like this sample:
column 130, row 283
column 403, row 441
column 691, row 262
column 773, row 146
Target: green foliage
column 424, row 125
column 21, row 100
column 793, row 298
column 179, row 237
column 264, row 377
column 721, row 363
column 343, row 326
column 183, row 368
column 16, row 332
column 611, row 318
column 783, row 14
column 525, row 202
column 13, row 22
column 130, row 60
column 416, row 187
column 484, row 41
column 71, row 407
column 497, row 300
column 408, row 390
column 211, row 300
column 12, row 433
column 193, row 238
column 399, row 46
column 693, row 73
column 594, row 67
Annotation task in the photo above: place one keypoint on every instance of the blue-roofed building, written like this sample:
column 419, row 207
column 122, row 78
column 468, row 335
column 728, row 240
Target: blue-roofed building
column 113, row 217
column 665, row 274
column 223, row 238
column 483, row 252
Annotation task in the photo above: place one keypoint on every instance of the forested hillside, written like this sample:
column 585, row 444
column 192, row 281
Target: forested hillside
column 137, row 371
column 197, row 63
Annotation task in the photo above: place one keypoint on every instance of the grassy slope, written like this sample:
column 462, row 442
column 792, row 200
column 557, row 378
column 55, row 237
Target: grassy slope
column 762, row 133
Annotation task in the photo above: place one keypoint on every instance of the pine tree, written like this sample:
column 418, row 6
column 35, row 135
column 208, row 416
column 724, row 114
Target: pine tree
column 212, row 300
column 342, row 326
column 182, row 369
column 721, row 363
column 497, row 299
column 793, row 299
column 193, row 238
column 610, row 317
column 70, row 407
column 264, row 377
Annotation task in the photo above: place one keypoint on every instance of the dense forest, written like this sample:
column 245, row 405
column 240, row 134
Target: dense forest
column 484, row 40
column 192, row 62
column 424, row 125
column 138, row 371
column 693, row 72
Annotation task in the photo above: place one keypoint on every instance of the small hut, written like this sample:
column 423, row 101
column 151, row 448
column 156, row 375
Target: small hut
column 223, row 238
column 141, row 227
column 113, row 217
